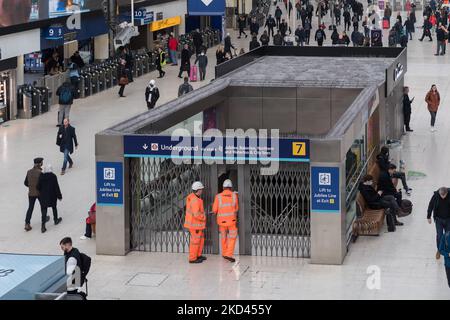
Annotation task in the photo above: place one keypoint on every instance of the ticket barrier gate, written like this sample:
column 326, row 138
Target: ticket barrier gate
column 32, row 101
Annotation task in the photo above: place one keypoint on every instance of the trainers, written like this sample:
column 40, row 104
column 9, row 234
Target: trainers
column 196, row 261
column 28, row 227
column 83, row 238
column 58, row 221
column 438, row 255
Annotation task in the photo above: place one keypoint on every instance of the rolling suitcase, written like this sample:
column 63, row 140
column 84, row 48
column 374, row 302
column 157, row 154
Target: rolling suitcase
column 194, row 73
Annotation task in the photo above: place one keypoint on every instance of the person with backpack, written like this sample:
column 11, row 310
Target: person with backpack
column 185, row 87
column 444, row 249
column 320, row 36
column 66, row 94
column 77, row 267
column 151, row 94
column 439, row 208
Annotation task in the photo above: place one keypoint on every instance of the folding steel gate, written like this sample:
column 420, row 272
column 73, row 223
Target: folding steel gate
column 280, row 211
column 158, row 191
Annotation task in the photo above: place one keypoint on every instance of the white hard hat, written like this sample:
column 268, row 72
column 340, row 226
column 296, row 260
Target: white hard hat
column 228, row 184
column 197, row 185
column 152, row 82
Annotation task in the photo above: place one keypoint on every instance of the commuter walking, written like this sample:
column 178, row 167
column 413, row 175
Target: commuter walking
column 409, row 27
column 195, row 222
column 307, row 30
column 441, row 38
column 444, row 249
column 270, row 24
column 151, row 94
column 433, row 99
column 50, row 192
column 300, row 36
column 31, row 182
column 129, row 64
column 202, row 60
column 407, row 109
column 198, row 41
column 75, row 260
column 347, row 19
column 185, row 87
column 220, row 54
column 426, row 29
column 123, row 78
column 160, row 62
column 66, row 94
column 74, row 76
column 254, row 27
column 320, row 36
column 173, row 49
column 439, row 208
column 278, row 14
column 283, row 28
column 185, row 61
column 388, row 13
column 65, row 140
column 226, row 207
column 242, row 24
column 228, row 45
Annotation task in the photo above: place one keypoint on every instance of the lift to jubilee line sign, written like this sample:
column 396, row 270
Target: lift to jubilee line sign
column 217, row 149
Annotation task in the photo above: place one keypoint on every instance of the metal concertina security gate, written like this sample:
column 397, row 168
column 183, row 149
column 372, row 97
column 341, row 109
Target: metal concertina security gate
column 158, row 192
column 280, row 211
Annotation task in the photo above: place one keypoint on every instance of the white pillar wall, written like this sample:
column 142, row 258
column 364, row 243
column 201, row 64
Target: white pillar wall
column 101, row 46
column 20, row 78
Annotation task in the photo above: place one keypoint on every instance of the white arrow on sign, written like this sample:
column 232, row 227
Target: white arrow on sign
column 207, row 2
column 145, row 146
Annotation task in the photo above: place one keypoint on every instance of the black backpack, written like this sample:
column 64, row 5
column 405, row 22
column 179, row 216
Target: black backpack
column 405, row 209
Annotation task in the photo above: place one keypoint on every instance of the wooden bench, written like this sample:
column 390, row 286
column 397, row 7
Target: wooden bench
column 370, row 222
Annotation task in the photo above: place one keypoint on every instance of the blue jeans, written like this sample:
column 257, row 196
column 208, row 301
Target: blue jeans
column 442, row 225
column 66, row 158
column 173, row 56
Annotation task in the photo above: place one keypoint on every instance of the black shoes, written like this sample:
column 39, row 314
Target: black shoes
column 229, row 259
column 58, row 221
column 202, row 258
column 409, row 130
column 43, row 230
column 196, row 261
column 398, row 223
column 28, row 227
column 47, row 219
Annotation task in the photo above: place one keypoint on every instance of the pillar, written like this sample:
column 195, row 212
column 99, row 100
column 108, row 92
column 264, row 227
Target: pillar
column 20, row 73
column 101, row 47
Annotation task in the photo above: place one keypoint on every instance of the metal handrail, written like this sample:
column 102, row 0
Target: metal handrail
column 360, row 175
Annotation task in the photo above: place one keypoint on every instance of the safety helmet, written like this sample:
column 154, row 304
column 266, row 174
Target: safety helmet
column 152, row 82
column 197, row 185
column 228, row 184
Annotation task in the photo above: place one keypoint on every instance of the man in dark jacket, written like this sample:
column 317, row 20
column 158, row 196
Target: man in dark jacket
column 202, row 60
column 278, row 39
column 320, row 37
column 439, row 207
column 270, row 24
column 347, row 19
column 31, row 181
column 66, row 93
column 407, row 109
column 76, row 58
column 441, row 35
column 66, row 139
column 228, row 45
column 374, row 200
column 300, row 36
column 264, row 38
column 426, row 29
column 198, row 41
column 278, row 14
column 185, row 61
column 151, row 94
column 254, row 43
column 185, row 87
column 254, row 27
column 242, row 25
column 283, row 28
column 49, row 193
column 384, row 163
column 386, row 186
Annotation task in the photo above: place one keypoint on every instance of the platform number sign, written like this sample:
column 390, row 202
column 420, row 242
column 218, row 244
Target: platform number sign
column 109, row 184
column 299, row 149
column 54, row 33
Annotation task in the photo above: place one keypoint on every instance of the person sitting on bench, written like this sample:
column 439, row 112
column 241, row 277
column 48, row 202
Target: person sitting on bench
column 386, row 188
column 375, row 201
column 383, row 162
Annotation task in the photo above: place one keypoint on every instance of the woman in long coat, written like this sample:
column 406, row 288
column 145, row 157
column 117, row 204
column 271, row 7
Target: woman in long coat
column 50, row 193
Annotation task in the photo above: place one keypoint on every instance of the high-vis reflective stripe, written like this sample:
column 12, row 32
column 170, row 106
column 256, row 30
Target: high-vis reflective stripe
column 224, row 205
column 195, row 217
column 226, row 214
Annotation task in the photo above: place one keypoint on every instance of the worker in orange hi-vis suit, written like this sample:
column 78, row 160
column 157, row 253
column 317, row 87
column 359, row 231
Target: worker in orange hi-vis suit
column 195, row 222
column 226, row 207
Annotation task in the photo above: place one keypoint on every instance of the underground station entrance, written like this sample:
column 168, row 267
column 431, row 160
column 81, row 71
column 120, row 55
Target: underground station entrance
column 294, row 128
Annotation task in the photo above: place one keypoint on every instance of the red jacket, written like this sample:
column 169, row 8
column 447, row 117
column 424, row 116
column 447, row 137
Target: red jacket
column 173, row 44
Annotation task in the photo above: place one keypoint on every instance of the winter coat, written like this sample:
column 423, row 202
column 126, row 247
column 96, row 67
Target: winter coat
column 385, row 184
column 155, row 94
column 278, row 40
column 67, row 137
column 173, row 44
column 434, row 203
column 49, row 189
column 278, row 13
column 406, row 104
column 70, row 89
column 371, row 197
column 433, row 101
column 254, row 27
column 32, row 179
column 254, row 44
column 202, row 61
column 264, row 39
column 184, row 88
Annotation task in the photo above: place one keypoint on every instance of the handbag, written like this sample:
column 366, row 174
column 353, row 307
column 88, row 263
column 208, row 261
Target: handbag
column 123, row 81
